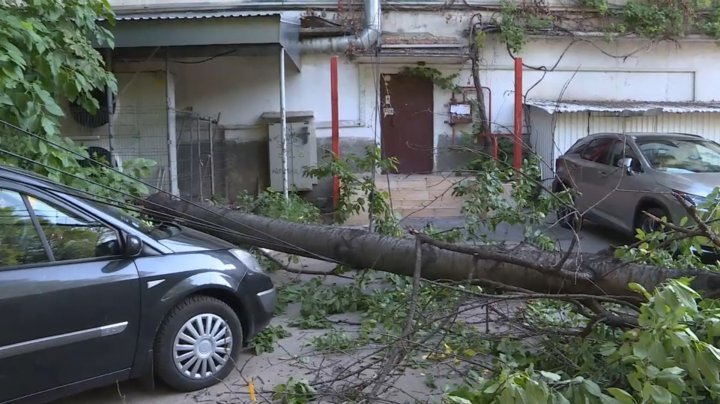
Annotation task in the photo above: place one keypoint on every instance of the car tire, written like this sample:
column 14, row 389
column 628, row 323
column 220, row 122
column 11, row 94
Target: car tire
column 648, row 225
column 217, row 334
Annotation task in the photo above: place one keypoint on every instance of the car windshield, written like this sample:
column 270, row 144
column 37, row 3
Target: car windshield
column 681, row 155
column 157, row 233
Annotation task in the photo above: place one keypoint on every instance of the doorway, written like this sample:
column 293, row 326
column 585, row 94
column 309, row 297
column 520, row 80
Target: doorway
column 407, row 122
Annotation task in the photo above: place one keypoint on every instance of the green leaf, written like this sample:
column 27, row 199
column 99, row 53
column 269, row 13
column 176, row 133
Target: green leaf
column 638, row 288
column 715, row 352
column 659, row 394
column 15, row 54
column 554, row 377
column 50, row 128
column 458, row 400
column 49, row 103
column 621, row 395
column 592, row 388
column 5, row 99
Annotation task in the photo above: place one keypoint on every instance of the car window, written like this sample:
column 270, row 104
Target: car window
column 577, row 147
column 681, row 155
column 597, row 150
column 620, row 149
column 71, row 237
column 20, row 242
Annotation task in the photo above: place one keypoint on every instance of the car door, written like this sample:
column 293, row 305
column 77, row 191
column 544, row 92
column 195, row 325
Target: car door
column 626, row 189
column 69, row 302
column 592, row 168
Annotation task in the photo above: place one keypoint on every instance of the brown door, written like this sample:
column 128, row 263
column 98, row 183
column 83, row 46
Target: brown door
column 407, row 122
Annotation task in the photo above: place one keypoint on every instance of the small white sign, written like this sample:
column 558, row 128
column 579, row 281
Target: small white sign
column 460, row 109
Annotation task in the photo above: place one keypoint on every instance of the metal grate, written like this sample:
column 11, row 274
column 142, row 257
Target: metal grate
column 141, row 132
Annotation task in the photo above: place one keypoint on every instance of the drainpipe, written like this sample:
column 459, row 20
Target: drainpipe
column 518, row 125
column 368, row 37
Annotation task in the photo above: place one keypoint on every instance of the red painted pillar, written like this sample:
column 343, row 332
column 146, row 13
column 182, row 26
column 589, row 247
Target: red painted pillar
column 518, row 125
column 335, row 117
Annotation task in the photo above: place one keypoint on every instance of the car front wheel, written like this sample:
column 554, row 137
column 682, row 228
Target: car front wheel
column 197, row 344
column 648, row 224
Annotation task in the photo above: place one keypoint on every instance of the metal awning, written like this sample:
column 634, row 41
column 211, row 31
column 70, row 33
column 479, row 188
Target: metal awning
column 211, row 33
column 624, row 108
column 250, row 32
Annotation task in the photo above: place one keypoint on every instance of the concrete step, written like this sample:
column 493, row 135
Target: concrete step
column 419, row 196
column 431, row 212
column 398, row 203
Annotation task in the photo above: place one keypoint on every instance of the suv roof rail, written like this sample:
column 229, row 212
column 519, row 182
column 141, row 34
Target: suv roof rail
column 662, row 133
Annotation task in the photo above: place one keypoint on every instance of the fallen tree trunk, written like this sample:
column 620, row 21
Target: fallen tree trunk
column 523, row 267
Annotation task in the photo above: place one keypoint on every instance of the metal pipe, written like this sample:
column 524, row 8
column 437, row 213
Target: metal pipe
column 335, row 117
column 517, row 149
column 283, row 126
column 199, row 157
column 211, row 159
column 369, row 36
column 192, row 160
column 109, row 99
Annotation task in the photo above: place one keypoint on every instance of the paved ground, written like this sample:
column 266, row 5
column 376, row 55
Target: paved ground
column 294, row 358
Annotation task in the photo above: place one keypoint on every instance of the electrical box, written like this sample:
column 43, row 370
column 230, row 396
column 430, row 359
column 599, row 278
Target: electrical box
column 460, row 112
column 301, row 153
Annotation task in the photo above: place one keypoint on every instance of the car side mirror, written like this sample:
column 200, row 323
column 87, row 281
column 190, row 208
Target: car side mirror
column 626, row 163
column 133, row 246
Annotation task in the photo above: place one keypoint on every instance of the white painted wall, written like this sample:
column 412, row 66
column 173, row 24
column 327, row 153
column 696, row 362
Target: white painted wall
column 664, row 72
column 242, row 88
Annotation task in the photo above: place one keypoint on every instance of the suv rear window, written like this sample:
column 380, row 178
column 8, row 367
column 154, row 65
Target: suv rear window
column 597, row 150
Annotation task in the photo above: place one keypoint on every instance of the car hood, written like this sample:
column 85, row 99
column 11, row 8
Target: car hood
column 183, row 239
column 700, row 184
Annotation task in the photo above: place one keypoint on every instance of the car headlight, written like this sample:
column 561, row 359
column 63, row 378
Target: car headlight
column 247, row 259
column 696, row 200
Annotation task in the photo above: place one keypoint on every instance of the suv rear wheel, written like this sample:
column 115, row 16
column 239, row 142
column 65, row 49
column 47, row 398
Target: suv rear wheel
column 197, row 343
column 568, row 216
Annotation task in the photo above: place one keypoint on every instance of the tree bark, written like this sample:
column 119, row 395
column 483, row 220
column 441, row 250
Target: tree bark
column 523, row 266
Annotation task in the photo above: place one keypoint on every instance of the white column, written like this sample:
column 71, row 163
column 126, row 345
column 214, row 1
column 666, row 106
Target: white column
column 283, row 125
column 171, row 134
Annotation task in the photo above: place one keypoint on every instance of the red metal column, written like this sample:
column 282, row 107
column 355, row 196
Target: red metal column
column 335, row 123
column 518, row 126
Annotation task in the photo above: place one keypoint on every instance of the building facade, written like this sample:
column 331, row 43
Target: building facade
column 211, row 70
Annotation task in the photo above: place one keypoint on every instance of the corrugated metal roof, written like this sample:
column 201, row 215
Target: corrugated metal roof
column 623, row 106
column 192, row 15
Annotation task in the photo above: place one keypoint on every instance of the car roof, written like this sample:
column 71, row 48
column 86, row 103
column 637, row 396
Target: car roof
column 26, row 177
column 673, row 135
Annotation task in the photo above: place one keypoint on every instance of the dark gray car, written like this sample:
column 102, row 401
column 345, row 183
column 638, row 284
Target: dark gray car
column 90, row 296
column 618, row 176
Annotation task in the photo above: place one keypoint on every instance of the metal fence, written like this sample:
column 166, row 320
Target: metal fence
column 198, row 165
column 141, row 132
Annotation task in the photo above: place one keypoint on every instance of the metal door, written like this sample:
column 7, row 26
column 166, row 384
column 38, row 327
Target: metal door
column 407, row 122
column 69, row 304
column 593, row 171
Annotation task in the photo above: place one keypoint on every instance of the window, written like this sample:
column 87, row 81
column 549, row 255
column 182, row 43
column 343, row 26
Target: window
column 681, row 155
column 20, row 242
column 621, row 150
column 597, row 150
column 71, row 237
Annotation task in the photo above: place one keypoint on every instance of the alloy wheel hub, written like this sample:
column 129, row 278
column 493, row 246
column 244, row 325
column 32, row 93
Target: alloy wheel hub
column 202, row 346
